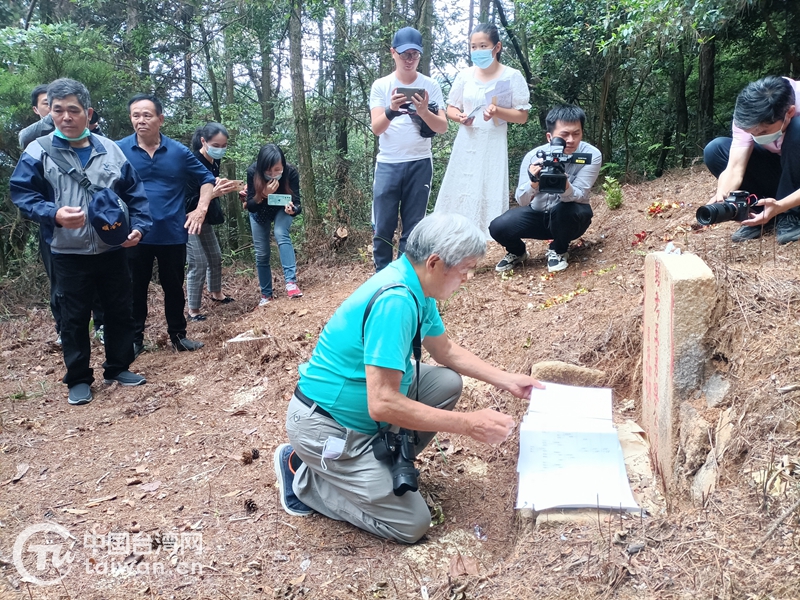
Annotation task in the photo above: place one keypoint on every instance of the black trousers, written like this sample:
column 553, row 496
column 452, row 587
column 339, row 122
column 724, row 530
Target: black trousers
column 567, row 221
column 80, row 279
column 398, row 187
column 171, row 272
column 767, row 175
column 47, row 261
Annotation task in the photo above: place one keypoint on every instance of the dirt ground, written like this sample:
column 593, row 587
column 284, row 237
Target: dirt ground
column 162, row 498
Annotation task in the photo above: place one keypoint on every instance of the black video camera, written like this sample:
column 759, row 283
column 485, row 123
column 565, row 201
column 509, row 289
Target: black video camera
column 736, row 207
column 552, row 178
column 397, row 449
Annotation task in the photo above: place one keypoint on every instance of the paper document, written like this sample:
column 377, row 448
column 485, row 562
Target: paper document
column 500, row 96
column 569, row 452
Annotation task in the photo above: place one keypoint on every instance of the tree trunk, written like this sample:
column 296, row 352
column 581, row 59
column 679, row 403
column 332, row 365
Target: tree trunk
column 312, row 216
column 681, row 107
column 483, row 16
column 186, row 48
column 386, row 62
column 424, row 11
column 340, row 106
column 471, row 27
column 212, row 77
column 705, row 112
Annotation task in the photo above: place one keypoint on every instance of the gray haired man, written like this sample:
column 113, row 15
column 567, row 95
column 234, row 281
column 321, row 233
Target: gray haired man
column 360, row 390
column 59, row 182
column 762, row 157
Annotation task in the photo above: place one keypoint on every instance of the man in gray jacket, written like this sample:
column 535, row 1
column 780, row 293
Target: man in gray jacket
column 550, row 216
column 63, row 201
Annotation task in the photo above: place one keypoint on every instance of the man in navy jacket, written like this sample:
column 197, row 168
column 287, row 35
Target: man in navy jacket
column 84, row 264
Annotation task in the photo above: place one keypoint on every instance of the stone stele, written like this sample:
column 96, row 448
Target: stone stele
column 679, row 298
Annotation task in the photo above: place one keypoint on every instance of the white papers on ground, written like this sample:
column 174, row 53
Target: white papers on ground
column 569, row 452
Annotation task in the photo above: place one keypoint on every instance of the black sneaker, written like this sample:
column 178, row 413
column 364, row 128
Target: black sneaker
column 186, row 345
column 751, row 232
column 138, row 348
column 80, row 394
column 787, row 228
column 285, row 474
column 126, row 378
column 510, row 261
column 555, row 261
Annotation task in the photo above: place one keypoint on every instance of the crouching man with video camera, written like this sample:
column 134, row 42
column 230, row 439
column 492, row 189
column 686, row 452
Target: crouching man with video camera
column 553, row 193
column 363, row 409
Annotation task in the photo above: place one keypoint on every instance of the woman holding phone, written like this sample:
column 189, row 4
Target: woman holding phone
column 273, row 194
column 475, row 183
column 203, row 255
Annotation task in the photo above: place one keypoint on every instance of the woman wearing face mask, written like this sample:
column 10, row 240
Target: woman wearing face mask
column 271, row 175
column 476, row 181
column 209, row 144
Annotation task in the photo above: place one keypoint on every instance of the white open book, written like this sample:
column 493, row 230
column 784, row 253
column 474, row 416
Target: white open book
column 569, row 452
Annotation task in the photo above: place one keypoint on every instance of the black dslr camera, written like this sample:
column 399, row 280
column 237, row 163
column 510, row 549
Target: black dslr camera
column 397, row 449
column 736, row 207
column 552, row 178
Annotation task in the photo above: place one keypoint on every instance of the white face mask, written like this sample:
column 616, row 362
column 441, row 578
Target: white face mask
column 763, row 140
column 768, row 138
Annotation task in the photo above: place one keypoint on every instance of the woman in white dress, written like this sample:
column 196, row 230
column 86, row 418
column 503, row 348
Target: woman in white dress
column 476, row 181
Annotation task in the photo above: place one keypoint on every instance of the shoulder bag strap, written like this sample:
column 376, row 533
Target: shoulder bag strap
column 47, row 145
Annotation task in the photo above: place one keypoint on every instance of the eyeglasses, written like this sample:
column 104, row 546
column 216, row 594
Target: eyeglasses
column 409, row 56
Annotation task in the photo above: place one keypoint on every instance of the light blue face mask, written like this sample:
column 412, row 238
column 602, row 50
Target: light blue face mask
column 86, row 133
column 482, row 58
column 216, row 153
column 270, row 177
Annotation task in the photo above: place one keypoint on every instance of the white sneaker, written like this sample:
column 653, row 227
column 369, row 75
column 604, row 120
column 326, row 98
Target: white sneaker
column 510, row 261
column 264, row 300
column 555, row 261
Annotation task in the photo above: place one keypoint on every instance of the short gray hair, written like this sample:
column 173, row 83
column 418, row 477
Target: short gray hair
column 764, row 101
column 452, row 237
column 61, row 88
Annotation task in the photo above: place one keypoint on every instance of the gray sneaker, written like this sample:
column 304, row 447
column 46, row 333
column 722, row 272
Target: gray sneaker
column 126, row 378
column 787, row 228
column 80, row 394
column 510, row 261
column 555, row 261
column 751, row 232
column 185, row 344
column 100, row 335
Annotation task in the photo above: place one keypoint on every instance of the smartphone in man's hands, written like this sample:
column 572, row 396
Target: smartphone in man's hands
column 409, row 92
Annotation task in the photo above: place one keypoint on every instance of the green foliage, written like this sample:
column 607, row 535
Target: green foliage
column 613, row 192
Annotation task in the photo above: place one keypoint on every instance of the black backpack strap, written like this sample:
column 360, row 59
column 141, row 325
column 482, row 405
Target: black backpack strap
column 47, row 145
column 416, row 344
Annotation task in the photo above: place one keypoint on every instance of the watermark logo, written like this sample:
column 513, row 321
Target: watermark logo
column 42, row 556
column 47, row 541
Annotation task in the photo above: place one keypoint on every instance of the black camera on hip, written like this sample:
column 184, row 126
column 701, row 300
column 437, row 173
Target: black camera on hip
column 397, row 449
column 736, row 207
column 553, row 178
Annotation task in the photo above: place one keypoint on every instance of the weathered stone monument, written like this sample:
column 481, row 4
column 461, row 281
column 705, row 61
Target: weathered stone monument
column 679, row 299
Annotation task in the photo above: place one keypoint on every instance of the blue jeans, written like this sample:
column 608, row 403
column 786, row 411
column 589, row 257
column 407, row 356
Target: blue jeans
column 285, row 250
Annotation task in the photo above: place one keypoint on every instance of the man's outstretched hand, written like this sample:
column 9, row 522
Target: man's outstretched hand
column 489, row 426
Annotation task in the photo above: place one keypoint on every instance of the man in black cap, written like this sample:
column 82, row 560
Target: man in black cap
column 405, row 118
column 60, row 182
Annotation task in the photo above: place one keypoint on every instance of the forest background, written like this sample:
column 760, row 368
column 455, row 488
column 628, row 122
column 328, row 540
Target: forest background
column 657, row 79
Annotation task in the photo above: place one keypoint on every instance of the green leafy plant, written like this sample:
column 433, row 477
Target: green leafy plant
column 613, row 192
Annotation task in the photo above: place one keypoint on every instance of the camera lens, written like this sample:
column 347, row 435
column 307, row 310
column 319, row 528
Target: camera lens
column 718, row 212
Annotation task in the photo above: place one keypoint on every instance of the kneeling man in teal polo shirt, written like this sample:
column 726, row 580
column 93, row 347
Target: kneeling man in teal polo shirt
column 363, row 408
